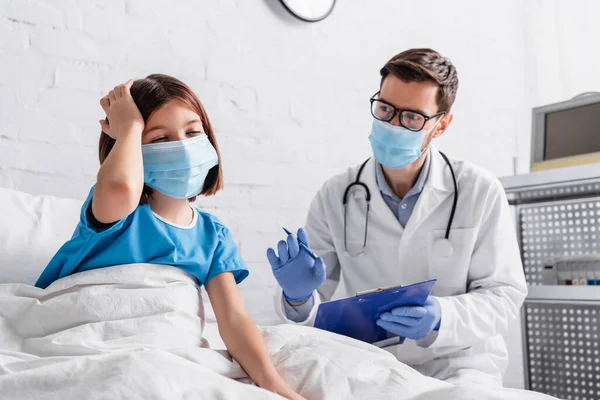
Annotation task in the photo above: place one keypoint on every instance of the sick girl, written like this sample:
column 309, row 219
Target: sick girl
column 158, row 152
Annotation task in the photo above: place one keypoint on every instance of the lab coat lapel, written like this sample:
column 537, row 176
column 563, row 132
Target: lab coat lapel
column 438, row 187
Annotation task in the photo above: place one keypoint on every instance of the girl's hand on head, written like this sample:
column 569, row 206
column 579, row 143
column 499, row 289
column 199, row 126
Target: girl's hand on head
column 124, row 116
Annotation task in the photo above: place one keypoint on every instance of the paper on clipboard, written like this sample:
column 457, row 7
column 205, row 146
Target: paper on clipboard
column 355, row 316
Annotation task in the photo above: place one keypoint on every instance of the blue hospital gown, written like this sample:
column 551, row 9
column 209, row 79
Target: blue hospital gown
column 204, row 249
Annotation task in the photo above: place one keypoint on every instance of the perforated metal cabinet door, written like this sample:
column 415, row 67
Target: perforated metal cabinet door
column 563, row 349
column 557, row 191
column 559, row 228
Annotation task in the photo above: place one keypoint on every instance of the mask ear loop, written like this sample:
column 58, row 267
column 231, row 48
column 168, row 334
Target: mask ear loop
column 432, row 128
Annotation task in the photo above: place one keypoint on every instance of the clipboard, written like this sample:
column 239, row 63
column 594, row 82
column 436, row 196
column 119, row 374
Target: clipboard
column 355, row 316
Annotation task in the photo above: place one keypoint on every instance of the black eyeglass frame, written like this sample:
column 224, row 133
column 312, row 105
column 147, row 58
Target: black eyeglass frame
column 399, row 112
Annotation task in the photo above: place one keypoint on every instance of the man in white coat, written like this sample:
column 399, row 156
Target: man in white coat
column 428, row 217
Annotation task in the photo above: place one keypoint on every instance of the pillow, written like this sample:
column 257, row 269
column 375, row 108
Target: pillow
column 32, row 229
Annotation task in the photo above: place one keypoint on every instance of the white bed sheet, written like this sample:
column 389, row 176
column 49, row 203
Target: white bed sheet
column 138, row 331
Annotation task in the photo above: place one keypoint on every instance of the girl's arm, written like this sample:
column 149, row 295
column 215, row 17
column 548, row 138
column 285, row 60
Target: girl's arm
column 241, row 336
column 121, row 176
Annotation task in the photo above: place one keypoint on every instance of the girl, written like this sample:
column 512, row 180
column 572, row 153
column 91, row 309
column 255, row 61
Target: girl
column 157, row 152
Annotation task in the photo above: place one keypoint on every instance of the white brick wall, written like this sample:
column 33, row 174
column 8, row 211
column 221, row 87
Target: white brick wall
column 289, row 100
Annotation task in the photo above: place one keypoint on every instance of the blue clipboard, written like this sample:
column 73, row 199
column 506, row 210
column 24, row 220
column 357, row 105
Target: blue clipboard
column 355, row 316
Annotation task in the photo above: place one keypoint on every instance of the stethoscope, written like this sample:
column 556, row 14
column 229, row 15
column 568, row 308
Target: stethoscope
column 442, row 247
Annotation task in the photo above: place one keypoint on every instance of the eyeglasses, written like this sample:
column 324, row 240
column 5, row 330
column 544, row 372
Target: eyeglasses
column 411, row 120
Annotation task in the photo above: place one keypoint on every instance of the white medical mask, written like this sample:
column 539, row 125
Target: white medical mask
column 179, row 169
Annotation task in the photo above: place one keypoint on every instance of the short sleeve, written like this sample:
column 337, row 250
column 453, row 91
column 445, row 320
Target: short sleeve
column 227, row 257
column 70, row 255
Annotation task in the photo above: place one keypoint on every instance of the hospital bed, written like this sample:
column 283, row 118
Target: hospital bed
column 140, row 331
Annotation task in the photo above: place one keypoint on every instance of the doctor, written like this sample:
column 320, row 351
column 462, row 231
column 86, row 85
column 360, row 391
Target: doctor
column 408, row 214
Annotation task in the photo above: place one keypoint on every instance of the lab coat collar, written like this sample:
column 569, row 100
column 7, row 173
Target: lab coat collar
column 438, row 186
column 440, row 177
column 415, row 190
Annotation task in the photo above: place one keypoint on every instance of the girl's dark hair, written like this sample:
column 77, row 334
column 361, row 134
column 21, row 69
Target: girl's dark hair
column 151, row 93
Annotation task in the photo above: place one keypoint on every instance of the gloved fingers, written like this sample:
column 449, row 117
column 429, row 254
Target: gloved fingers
column 401, row 330
column 319, row 270
column 303, row 237
column 418, row 333
column 409, row 311
column 282, row 249
column 293, row 245
column 391, row 327
column 385, row 316
column 273, row 259
column 432, row 302
column 406, row 321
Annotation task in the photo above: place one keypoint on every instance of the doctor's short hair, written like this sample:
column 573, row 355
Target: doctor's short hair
column 420, row 65
column 149, row 94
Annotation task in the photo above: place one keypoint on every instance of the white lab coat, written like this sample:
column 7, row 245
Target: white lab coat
column 481, row 286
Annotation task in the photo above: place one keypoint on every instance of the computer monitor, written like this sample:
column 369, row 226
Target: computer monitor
column 566, row 133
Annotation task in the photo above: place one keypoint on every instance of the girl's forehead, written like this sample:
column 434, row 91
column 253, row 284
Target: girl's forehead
column 172, row 112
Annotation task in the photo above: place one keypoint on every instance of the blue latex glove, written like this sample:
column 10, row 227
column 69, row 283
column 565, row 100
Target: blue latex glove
column 413, row 322
column 296, row 272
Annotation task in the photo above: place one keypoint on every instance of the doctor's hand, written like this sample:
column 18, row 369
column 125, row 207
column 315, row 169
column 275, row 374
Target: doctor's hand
column 296, row 272
column 413, row 322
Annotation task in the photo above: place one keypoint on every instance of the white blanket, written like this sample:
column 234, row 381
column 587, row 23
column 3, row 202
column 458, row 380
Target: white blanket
column 136, row 332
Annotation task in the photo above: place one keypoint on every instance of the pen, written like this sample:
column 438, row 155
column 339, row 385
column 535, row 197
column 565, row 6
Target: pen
column 303, row 246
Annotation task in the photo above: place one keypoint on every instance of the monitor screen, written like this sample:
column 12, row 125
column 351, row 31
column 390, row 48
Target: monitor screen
column 572, row 132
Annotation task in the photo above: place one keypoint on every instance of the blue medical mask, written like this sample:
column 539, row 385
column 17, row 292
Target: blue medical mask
column 395, row 146
column 178, row 169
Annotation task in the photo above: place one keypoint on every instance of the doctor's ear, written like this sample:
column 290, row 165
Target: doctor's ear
column 440, row 129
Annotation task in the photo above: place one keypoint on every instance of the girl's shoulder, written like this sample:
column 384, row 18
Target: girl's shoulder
column 206, row 218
